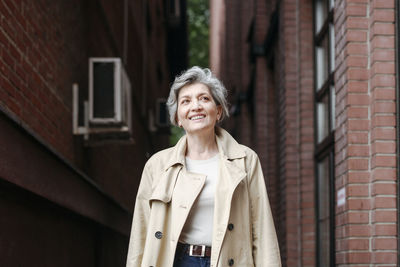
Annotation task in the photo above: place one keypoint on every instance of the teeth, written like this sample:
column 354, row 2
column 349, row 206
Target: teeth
column 197, row 117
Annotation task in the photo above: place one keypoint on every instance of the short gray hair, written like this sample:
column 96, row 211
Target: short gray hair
column 192, row 76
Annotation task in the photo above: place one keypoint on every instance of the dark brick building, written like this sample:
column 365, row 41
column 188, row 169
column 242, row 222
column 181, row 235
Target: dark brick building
column 314, row 91
column 64, row 200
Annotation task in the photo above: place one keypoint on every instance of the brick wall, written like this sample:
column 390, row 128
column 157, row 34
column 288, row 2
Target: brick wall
column 265, row 115
column 51, row 182
column 35, row 52
column 44, row 49
column 277, row 120
column 264, row 141
column 383, row 118
column 365, row 134
column 290, row 108
column 306, row 135
column 237, row 79
column 281, row 129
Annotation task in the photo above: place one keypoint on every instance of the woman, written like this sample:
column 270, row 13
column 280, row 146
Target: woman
column 202, row 202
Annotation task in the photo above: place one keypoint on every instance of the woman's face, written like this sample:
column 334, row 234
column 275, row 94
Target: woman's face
column 197, row 110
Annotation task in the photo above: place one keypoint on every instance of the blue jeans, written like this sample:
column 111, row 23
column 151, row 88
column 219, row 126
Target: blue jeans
column 183, row 259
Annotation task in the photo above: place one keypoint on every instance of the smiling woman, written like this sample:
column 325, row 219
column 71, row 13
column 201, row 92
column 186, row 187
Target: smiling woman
column 194, row 195
column 202, row 76
column 197, row 110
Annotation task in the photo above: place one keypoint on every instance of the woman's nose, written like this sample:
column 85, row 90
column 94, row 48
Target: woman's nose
column 196, row 105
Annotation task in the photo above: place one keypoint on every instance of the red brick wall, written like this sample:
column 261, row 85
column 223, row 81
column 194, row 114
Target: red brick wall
column 265, row 117
column 289, row 153
column 264, row 141
column 35, row 52
column 383, row 118
column 69, row 203
column 365, row 134
column 44, row 49
column 306, row 139
column 281, row 129
column 279, row 69
column 237, row 79
column 117, row 168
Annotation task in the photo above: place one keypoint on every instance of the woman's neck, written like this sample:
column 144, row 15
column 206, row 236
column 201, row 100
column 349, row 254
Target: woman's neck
column 201, row 146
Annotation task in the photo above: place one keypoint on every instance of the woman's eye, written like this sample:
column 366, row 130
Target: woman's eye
column 205, row 98
column 184, row 101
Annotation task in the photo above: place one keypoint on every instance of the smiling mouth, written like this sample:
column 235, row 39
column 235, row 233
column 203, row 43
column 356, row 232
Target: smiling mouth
column 197, row 117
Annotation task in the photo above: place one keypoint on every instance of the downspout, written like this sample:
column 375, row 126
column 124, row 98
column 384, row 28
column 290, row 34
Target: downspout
column 397, row 88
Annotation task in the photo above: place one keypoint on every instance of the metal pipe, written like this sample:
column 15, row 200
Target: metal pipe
column 75, row 108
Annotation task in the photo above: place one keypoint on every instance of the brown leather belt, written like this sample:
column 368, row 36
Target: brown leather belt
column 195, row 250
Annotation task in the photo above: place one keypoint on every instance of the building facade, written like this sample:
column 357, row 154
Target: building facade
column 314, row 91
column 67, row 199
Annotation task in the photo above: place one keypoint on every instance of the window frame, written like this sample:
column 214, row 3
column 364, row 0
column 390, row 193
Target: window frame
column 325, row 147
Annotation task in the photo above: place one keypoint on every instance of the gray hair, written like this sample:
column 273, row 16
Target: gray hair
column 192, row 76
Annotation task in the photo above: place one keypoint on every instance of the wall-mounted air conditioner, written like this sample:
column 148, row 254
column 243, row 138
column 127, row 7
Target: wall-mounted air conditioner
column 108, row 109
column 158, row 117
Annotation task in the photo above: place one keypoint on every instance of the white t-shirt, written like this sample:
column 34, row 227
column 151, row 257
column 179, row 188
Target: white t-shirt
column 199, row 224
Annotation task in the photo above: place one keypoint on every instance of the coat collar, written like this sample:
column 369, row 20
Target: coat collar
column 227, row 147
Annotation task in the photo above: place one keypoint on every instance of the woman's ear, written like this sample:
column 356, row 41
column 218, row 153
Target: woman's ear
column 177, row 120
column 219, row 112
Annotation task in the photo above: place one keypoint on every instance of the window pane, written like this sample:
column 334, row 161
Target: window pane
column 323, row 189
column 324, row 243
column 321, row 14
column 322, row 62
column 323, row 175
column 332, row 47
column 322, row 119
column 333, row 108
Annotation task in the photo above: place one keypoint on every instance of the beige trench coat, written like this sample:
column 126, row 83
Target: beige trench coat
column 244, row 233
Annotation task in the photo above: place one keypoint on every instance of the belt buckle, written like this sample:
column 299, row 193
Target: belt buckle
column 203, row 251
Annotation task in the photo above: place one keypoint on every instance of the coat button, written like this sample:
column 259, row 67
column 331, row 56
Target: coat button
column 230, row 226
column 231, row 262
column 158, row 235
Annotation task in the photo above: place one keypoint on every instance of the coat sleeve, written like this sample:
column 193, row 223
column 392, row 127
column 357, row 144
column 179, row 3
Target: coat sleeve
column 140, row 220
column 265, row 243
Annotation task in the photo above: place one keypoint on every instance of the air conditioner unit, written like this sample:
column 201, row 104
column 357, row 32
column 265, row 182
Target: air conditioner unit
column 108, row 109
column 108, row 83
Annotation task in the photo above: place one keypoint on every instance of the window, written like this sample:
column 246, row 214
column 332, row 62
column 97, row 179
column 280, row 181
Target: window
column 324, row 54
